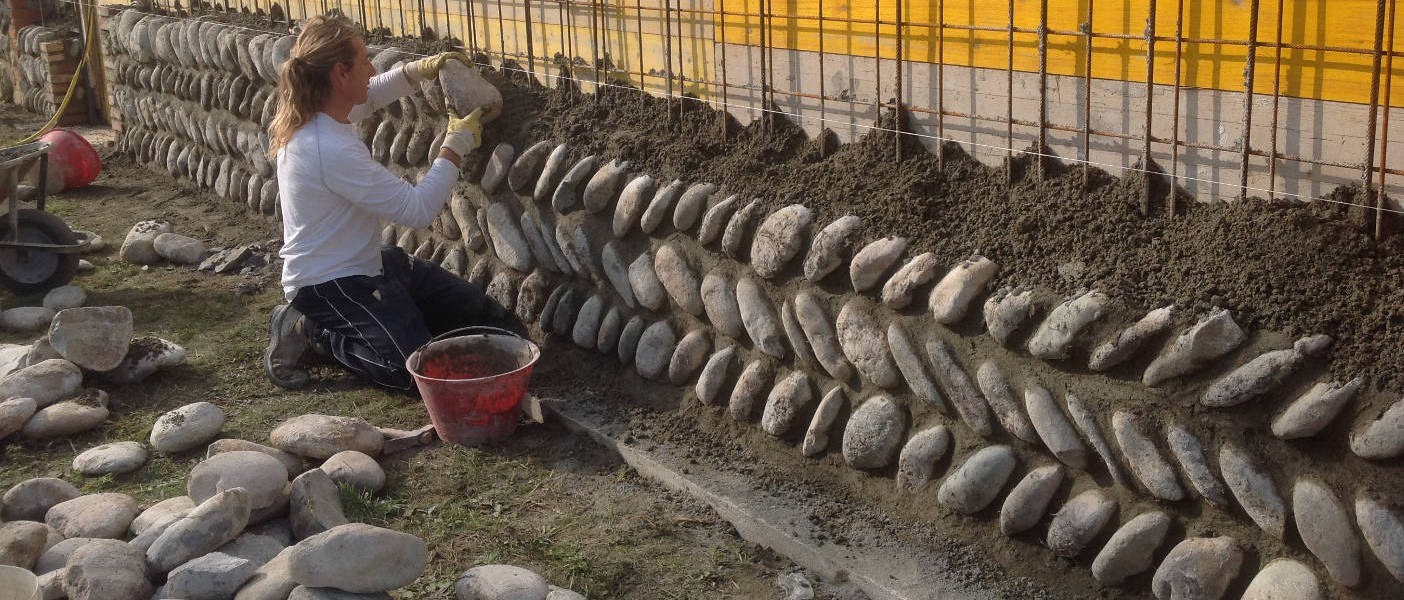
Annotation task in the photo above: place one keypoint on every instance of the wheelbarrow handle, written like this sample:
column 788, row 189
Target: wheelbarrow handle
column 473, row 329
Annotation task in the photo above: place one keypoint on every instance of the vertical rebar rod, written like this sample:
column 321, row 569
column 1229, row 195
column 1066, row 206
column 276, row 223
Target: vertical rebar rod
column 1150, row 93
column 764, row 73
column 472, row 26
column 822, row 93
column 1374, row 107
column 1384, row 136
column 1175, row 112
column 1009, row 106
column 1087, row 102
column 681, row 69
column 941, row 85
column 501, row 36
column 531, row 53
column 1249, row 75
column 565, row 50
column 897, row 105
column 720, row 24
column 877, row 61
column 595, row 49
column 1276, row 98
column 568, row 24
column 667, row 23
column 638, row 24
column 1042, row 85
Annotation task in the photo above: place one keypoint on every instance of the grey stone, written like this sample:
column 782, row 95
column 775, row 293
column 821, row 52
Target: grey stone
column 758, row 317
column 139, row 247
column 253, row 547
column 1147, row 464
column 790, row 396
column 568, row 191
column 69, row 417
column 996, row 390
column 465, row 90
column 690, row 205
column 51, row 585
column 804, row 355
column 716, row 218
column 539, row 250
column 898, row 291
column 617, row 271
column 106, row 570
column 1382, row 438
column 1026, row 504
column 358, row 558
column 738, row 230
column 721, row 304
column 1262, row 373
column 655, row 349
column 13, row 414
column 1284, row 579
column 978, row 480
column 644, row 283
column 214, row 523
column 508, row 241
column 688, row 356
column 917, row 462
column 1053, row 427
column 1055, row 336
column 262, row 476
column 104, row 515
column 168, row 509
column 532, row 296
column 292, row 462
column 1115, row 351
column 679, row 279
column 715, row 375
column 527, row 168
column 1189, row 453
column 871, row 264
column 1079, row 521
column 186, row 427
column 816, row 437
column 952, row 296
column 1086, row 424
column 115, row 459
column 1006, row 311
column 26, row 318
column 53, row 559
column 356, row 469
column 959, row 389
column 551, row 174
column 778, row 239
column 1207, row 340
column 563, row 320
column 558, row 255
column 830, row 247
column 179, row 249
column 93, row 337
column 1384, row 533
column 865, row 344
column 45, row 382
column 315, row 504
column 661, row 206
column 22, row 543
column 587, row 322
column 272, row 581
column 548, row 311
column 1254, row 490
column 64, row 297
column 1313, row 411
column 1198, row 569
column 753, row 382
column 307, row 593
column 604, row 185
column 556, row 593
column 819, row 330
column 632, row 202
column 1131, row 550
column 913, row 369
column 1325, row 529
column 500, row 582
column 629, row 339
column 873, row 433
column 467, row 218
column 214, row 576
column 320, row 436
column 608, row 336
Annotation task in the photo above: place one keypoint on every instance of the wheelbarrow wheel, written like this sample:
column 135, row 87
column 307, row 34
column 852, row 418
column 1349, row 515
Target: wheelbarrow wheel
column 25, row 270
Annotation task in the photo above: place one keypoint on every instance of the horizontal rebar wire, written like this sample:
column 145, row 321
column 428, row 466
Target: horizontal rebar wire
column 874, row 127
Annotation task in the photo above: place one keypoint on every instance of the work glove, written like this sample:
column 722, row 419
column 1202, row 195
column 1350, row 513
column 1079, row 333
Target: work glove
column 428, row 68
column 463, row 135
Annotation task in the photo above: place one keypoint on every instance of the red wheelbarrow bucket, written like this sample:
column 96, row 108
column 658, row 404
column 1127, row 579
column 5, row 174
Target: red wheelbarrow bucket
column 472, row 381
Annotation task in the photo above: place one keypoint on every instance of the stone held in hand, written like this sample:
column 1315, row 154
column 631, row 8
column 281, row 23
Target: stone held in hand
column 465, row 90
column 358, row 558
column 111, row 459
column 94, row 337
column 321, row 436
column 186, row 427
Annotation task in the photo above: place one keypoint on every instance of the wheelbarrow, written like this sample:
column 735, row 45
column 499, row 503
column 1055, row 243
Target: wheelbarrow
column 38, row 251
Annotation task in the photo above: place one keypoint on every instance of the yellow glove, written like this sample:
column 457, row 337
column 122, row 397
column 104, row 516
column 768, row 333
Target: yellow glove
column 428, row 68
column 463, row 135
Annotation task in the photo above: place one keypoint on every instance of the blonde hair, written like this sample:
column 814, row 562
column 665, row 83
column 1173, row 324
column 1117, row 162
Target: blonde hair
column 304, row 81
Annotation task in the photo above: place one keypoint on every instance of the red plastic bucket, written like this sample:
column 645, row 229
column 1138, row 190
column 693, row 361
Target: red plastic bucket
column 73, row 163
column 472, row 381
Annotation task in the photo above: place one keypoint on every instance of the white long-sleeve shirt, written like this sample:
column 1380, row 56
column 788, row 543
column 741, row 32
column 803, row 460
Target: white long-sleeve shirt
column 333, row 195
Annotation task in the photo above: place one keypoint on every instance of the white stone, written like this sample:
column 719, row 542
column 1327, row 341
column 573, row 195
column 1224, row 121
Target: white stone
column 1026, row 504
column 170, row 508
column 1189, row 453
column 46, row 382
column 1262, row 373
column 1147, row 464
column 661, row 206
column 790, row 396
column 1284, row 579
column 13, row 414
column 629, row 339
column 1384, row 533
column 751, row 385
column 632, row 202
column 525, row 171
column 715, row 219
column 69, row 417
column 804, row 355
column 913, row 369
column 690, row 205
column 1254, row 490
column 214, row 576
column 65, row 297
column 105, row 515
column 253, row 547
column 644, row 283
column 186, row 427
column 679, row 279
column 22, row 543
column 508, row 241
column 179, row 249
column 111, row 459
column 604, row 185
column 871, row 264
column 617, row 271
column 898, row 291
column 1131, row 550
column 608, row 336
column 1053, row 340
column 26, row 318
column 106, row 569
column 1211, row 338
column 816, row 437
column 1125, row 345
column 720, row 302
column 587, row 322
column 734, row 238
column 94, row 337
column 537, row 244
column 1053, row 427
column 778, row 239
column 1382, row 438
column 214, row 523
column 715, row 375
column 759, row 318
column 139, row 247
column 314, row 505
column 1079, row 521
column 30, row 500
column 320, row 436
column 56, row 556
column 358, row 558
column 1006, row 311
column 978, row 480
column 568, row 191
column 551, row 173
column 1198, row 569
column 996, row 390
column 819, row 330
column 952, row 296
column 306, row 593
column 466, row 90
column 1326, row 531
column 262, row 476
column 272, row 581
column 865, row 345
column 830, row 247
column 1086, row 424
column 688, row 356
column 498, row 164
column 500, row 582
column 917, row 462
column 873, row 433
column 291, row 461
column 356, row 469
column 145, row 356
column 655, row 349
column 1314, row 410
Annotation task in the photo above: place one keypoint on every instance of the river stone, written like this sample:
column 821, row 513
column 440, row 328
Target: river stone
column 214, row 523
column 1147, row 464
column 715, row 375
column 320, row 436
column 750, row 385
column 466, row 90
column 186, row 427
column 954, row 293
column 45, row 382
column 865, row 345
column 214, row 576
column 608, row 336
column 715, row 219
column 307, row 593
column 13, row 414
column 1026, row 504
column 114, row 459
column 1006, row 311
column 679, row 279
column 22, row 543
column 816, row 437
column 1131, row 549
column 168, row 510
column 1125, row 345
column 104, row 515
column 1284, row 579
column 830, row 247
column 508, row 241
column 787, row 400
column 1313, row 411
column 897, row 292
column 93, row 337
column 253, row 547
column 617, row 271
column 604, row 185
column 106, row 570
column 500, row 582
column 1254, row 490
column 65, row 297
column 690, row 205
column 531, row 296
column 527, row 168
column 870, row 265
column 1053, row 427
column 82, row 413
column 873, row 433
column 139, row 247
column 1055, row 336
column 587, row 322
column 1379, row 439
column 1262, row 373
column 1325, row 529
column 917, row 462
column 1078, row 522
column 1189, row 454
column 1086, row 424
column 179, row 249
column 958, row 387
column 1198, row 569
column 537, row 244
column 262, row 476
column 759, row 319
column 272, row 581
column 53, row 559
column 644, row 283
column 688, row 356
column 563, row 264
column 778, row 239
column 978, row 481
column 358, row 558
column 629, row 339
column 292, row 462
column 563, row 320
column 314, row 505
column 30, row 500
column 355, row 469
column 551, row 174
column 498, row 164
column 632, row 202
column 502, row 290
column 913, row 370
column 568, row 191
column 655, row 349
column 661, row 206
column 1207, row 340
column 26, row 318
column 996, row 390
column 1384, row 534
column 548, row 312
column 719, row 300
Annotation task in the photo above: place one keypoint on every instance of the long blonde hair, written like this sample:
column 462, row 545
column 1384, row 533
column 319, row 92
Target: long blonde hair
column 304, row 81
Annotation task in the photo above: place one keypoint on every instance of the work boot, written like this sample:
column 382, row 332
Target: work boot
column 288, row 344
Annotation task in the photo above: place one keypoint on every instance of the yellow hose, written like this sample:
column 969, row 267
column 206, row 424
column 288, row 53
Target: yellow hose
column 90, row 11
